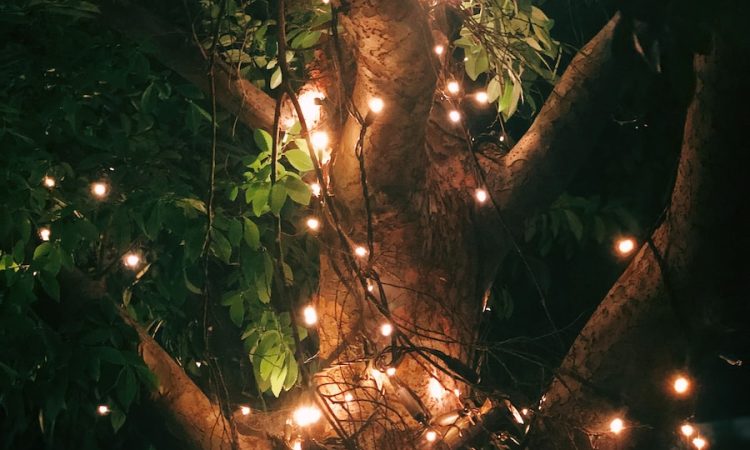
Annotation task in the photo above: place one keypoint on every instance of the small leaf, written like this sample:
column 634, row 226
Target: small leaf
column 263, row 140
column 251, row 234
column 297, row 190
column 275, row 78
column 278, row 197
column 299, row 159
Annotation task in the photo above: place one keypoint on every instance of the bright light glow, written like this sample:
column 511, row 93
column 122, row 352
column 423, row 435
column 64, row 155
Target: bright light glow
column 681, row 385
column 298, row 444
column 482, row 97
column 131, row 260
column 49, row 182
column 348, row 397
column 481, row 196
column 376, row 104
column 306, row 415
column 687, row 430
column 435, row 388
column 319, row 140
column 360, row 251
column 44, row 233
column 525, row 411
column 386, row 329
column 439, row 49
column 454, row 116
column 457, row 392
column 431, row 436
column 315, row 189
column 308, row 102
column 391, row 371
column 99, row 189
column 616, row 426
column 198, row 364
column 310, row 315
column 245, row 410
column 625, row 246
column 453, row 87
column 699, row 442
column 313, row 223
column 103, row 410
column 370, row 287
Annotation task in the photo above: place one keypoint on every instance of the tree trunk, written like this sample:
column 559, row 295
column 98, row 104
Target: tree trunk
column 679, row 295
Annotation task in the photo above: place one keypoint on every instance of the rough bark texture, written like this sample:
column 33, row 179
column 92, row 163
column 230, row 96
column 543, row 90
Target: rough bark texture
column 676, row 294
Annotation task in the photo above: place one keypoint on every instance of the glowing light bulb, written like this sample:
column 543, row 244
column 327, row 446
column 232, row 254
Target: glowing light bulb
column 310, row 315
column 525, row 411
column 360, row 251
column 99, row 189
column 481, row 196
column 308, row 102
column 435, row 388
column 306, row 415
column 625, row 246
column 348, row 397
column 319, row 140
column 315, row 189
column 457, row 392
column 298, row 444
column 482, row 97
column 49, row 182
column 44, row 233
column 370, row 287
column 391, row 371
column 313, row 223
column 687, row 430
column 439, row 49
column 386, row 329
column 616, row 426
column 431, row 436
column 198, row 364
column 699, row 442
column 376, row 105
column 454, row 116
column 681, row 385
column 131, row 260
column 453, row 87
column 103, row 410
column 245, row 410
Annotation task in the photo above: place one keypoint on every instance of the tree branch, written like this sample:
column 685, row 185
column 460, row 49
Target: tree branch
column 541, row 164
column 176, row 50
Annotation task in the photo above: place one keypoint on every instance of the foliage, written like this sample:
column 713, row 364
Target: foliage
column 509, row 41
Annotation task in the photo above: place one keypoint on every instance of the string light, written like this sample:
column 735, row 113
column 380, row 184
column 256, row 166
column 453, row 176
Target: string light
column 453, row 87
column 360, row 251
column 103, row 410
column 625, row 246
column 681, row 385
column 99, row 189
column 44, row 233
column 298, row 444
column 391, row 371
column 439, row 49
column 49, row 182
column 699, row 442
column 431, row 436
column 616, row 426
column 315, row 189
column 370, row 286
column 457, row 392
column 386, row 329
column 481, row 196
column 435, row 388
column 310, row 315
column 348, row 397
column 482, row 97
column 376, row 105
column 198, row 364
column 319, row 140
column 245, row 410
column 131, row 260
column 454, row 116
column 308, row 102
column 313, row 223
column 306, row 415
column 687, row 430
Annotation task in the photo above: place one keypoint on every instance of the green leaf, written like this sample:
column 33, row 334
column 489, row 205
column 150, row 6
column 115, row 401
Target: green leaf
column 275, row 78
column 221, row 246
column 278, row 376
column 278, row 197
column 126, row 387
column 493, row 90
column 260, row 200
column 234, row 233
column 237, row 311
column 292, row 371
column 263, row 140
column 299, row 159
column 297, row 190
column 575, row 224
column 252, row 234
column 50, row 285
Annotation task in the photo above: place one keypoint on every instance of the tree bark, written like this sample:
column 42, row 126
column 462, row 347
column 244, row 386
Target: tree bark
column 679, row 294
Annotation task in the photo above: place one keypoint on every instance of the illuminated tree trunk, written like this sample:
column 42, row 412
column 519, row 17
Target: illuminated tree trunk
column 679, row 295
